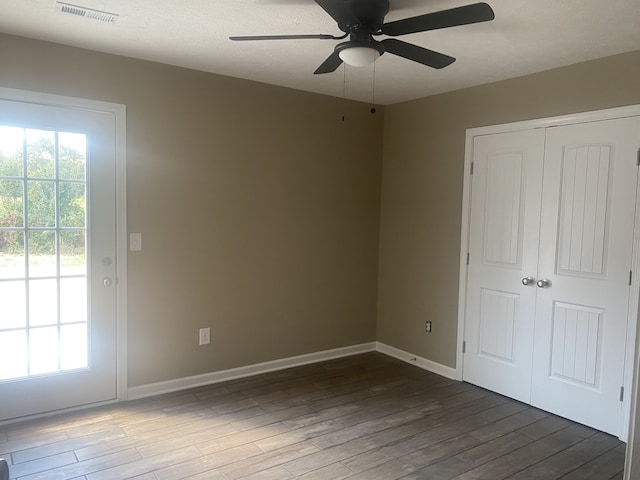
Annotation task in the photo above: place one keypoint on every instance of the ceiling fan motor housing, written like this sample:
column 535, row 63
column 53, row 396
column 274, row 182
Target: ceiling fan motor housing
column 368, row 15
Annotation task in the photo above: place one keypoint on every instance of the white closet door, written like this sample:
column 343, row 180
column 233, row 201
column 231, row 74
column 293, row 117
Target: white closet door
column 588, row 207
column 505, row 216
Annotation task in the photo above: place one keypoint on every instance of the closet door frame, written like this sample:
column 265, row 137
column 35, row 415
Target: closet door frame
column 632, row 365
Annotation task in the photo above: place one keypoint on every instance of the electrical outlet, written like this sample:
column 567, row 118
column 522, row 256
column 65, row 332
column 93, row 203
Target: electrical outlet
column 205, row 336
column 427, row 326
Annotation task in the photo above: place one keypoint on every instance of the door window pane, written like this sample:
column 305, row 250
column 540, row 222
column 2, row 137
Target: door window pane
column 42, row 253
column 43, row 350
column 12, row 299
column 43, row 302
column 41, row 153
column 72, row 252
column 11, row 145
column 72, row 156
column 73, row 346
column 11, row 203
column 11, row 254
column 73, row 300
column 41, row 203
column 71, row 204
column 13, row 354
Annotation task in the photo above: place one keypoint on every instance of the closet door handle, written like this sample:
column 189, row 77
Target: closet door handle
column 528, row 281
column 544, row 283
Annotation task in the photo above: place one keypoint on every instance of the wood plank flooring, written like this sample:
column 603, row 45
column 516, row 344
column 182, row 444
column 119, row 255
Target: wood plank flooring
column 365, row 417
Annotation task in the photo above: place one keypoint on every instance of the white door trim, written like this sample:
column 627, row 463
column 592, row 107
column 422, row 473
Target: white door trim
column 594, row 116
column 119, row 113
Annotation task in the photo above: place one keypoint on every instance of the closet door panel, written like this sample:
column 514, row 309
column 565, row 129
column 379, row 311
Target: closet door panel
column 586, row 232
column 505, row 216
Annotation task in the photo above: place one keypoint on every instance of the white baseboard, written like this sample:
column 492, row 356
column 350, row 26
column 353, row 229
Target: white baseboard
column 423, row 363
column 177, row 384
column 247, row 371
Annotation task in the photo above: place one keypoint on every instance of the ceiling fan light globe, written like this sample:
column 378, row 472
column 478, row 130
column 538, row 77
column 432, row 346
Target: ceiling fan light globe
column 359, row 56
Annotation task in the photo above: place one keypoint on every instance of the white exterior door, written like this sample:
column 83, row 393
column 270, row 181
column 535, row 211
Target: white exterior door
column 586, row 239
column 57, row 258
column 505, row 220
column 550, row 254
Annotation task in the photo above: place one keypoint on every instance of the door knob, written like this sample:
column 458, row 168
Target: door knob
column 544, row 283
column 107, row 282
column 528, row 281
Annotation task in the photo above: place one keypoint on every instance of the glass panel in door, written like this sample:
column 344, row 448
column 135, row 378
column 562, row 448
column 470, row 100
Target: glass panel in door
column 43, row 273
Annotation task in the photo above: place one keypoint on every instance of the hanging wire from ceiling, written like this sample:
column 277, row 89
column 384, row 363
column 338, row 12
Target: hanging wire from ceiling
column 373, row 89
column 344, row 81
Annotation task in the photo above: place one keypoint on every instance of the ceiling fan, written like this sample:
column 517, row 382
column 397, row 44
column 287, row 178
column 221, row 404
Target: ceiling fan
column 361, row 20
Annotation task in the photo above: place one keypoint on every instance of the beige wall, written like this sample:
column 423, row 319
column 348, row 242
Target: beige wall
column 258, row 206
column 422, row 188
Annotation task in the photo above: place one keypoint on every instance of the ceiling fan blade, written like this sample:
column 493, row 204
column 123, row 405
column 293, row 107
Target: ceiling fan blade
column 417, row 54
column 320, row 36
column 474, row 13
column 339, row 11
column 332, row 62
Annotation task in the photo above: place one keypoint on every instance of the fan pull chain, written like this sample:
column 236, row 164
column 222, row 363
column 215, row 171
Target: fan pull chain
column 373, row 90
column 344, row 81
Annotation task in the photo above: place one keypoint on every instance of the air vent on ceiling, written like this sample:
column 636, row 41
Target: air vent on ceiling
column 86, row 12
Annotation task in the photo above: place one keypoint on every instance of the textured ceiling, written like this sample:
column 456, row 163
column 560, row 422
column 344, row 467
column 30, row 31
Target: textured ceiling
column 527, row 36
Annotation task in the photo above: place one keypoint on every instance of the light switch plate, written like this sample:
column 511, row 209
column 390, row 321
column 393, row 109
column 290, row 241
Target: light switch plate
column 135, row 242
column 205, row 336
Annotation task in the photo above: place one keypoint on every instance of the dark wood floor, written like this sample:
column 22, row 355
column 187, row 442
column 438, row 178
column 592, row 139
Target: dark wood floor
column 364, row 417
